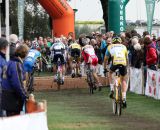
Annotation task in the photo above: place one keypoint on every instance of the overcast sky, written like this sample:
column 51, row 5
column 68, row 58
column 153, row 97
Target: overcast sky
column 91, row 10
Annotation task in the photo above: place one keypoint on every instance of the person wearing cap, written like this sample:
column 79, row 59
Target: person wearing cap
column 3, row 64
column 13, row 92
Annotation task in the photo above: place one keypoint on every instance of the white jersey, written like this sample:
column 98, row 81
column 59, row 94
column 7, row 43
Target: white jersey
column 57, row 46
column 58, row 49
column 89, row 50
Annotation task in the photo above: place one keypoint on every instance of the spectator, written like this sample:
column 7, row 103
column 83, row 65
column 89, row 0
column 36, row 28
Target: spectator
column 103, row 44
column 136, row 53
column 151, row 54
column 13, row 92
column 3, row 64
column 13, row 38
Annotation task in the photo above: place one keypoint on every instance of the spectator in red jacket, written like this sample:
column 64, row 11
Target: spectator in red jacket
column 151, row 53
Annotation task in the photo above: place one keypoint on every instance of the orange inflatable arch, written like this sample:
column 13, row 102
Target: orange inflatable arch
column 62, row 16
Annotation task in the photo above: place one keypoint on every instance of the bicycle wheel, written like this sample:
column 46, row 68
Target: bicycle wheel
column 30, row 84
column 114, row 106
column 91, row 86
column 58, row 81
column 119, row 103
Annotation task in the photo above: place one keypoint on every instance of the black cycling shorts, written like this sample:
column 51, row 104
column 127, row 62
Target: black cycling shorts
column 75, row 52
column 122, row 69
column 58, row 56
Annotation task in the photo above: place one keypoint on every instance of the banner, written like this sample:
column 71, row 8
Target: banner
column 152, row 84
column 21, row 6
column 136, row 84
column 117, row 15
column 35, row 121
column 150, row 7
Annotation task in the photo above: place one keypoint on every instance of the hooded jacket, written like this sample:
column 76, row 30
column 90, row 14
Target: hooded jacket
column 151, row 55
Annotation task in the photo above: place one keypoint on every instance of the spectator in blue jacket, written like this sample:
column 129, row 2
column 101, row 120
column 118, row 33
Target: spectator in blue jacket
column 3, row 64
column 103, row 44
column 13, row 91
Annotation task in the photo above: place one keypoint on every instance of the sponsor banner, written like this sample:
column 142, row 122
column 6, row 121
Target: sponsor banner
column 152, row 87
column 136, row 84
column 150, row 7
column 35, row 121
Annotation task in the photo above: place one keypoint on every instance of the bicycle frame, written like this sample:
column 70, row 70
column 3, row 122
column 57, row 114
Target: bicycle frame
column 117, row 101
column 90, row 79
column 31, row 77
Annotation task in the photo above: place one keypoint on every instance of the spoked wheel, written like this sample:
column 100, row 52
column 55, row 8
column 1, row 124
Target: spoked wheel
column 119, row 108
column 58, row 81
column 30, row 84
column 114, row 106
column 119, row 103
column 91, row 89
column 58, row 86
column 90, row 83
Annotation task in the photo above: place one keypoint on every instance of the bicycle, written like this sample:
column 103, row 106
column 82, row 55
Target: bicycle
column 58, row 75
column 90, row 79
column 117, row 102
column 30, row 80
column 76, row 69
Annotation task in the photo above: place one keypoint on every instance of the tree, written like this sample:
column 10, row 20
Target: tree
column 36, row 21
column 104, row 4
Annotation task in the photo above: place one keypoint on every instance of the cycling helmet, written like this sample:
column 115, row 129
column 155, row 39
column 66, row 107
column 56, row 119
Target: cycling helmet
column 116, row 40
column 58, row 40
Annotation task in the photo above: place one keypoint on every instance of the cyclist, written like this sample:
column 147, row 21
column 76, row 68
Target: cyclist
column 118, row 54
column 58, row 52
column 32, row 61
column 74, row 52
column 32, row 58
column 90, row 57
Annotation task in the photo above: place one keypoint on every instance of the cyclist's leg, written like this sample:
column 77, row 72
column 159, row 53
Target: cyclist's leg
column 111, row 82
column 70, row 63
column 78, row 62
column 63, row 62
column 55, row 59
column 123, row 72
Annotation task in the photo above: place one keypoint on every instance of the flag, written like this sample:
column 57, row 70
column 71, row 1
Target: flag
column 150, row 7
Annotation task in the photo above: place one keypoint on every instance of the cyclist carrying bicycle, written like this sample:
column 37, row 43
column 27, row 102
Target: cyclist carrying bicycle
column 74, row 54
column 58, row 51
column 90, row 57
column 118, row 54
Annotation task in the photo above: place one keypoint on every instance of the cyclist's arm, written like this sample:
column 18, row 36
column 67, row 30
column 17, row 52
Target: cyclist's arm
column 105, row 61
column 106, row 58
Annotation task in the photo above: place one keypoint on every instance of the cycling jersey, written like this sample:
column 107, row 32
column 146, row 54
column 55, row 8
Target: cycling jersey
column 58, row 52
column 118, row 52
column 89, row 55
column 74, row 50
column 30, row 60
column 75, row 46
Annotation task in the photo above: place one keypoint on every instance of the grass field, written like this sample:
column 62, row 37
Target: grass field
column 77, row 110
